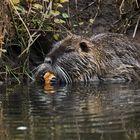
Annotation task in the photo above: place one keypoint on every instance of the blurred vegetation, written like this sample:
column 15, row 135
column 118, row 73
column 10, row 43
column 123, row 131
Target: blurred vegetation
column 29, row 19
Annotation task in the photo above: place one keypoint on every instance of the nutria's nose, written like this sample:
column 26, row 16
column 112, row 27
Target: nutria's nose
column 48, row 60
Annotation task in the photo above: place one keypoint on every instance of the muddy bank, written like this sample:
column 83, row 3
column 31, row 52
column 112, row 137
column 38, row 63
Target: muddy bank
column 93, row 17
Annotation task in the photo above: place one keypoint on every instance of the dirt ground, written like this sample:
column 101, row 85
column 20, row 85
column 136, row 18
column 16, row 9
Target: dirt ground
column 98, row 16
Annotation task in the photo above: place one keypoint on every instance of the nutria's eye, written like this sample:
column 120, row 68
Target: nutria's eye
column 84, row 47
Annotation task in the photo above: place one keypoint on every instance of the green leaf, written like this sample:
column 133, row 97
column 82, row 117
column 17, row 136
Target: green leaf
column 65, row 15
column 56, row 20
column 15, row 2
column 56, row 36
column 49, row 28
column 47, row 15
column 59, row 5
column 63, row 1
column 38, row 6
column 55, row 13
column 20, row 9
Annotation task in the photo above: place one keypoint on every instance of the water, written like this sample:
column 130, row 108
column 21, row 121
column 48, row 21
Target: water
column 78, row 112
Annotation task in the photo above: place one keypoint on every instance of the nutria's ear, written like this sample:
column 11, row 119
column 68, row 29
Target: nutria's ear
column 84, row 47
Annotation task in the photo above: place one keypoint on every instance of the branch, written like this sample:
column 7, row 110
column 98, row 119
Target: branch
column 136, row 27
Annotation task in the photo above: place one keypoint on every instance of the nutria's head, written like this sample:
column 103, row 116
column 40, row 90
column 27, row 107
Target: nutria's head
column 71, row 60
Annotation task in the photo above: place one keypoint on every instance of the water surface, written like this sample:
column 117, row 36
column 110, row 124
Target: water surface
column 76, row 112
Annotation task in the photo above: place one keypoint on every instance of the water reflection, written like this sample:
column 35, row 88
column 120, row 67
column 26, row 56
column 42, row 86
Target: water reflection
column 76, row 112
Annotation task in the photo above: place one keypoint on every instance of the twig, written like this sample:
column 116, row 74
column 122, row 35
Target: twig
column 87, row 6
column 20, row 19
column 137, row 4
column 120, row 8
column 30, row 42
column 1, row 43
column 12, row 17
column 136, row 27
column 48, row 9
column 67, row 31
column 83, row 9
column 76, row 4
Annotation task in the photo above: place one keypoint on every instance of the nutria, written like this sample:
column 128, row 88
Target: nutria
column 105, row 57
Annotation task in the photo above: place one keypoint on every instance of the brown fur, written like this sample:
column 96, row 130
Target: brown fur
column 105, row 57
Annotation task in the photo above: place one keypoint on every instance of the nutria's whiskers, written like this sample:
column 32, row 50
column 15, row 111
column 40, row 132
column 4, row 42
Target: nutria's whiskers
column 40, row 71
column 62, row 74
column 67, row 77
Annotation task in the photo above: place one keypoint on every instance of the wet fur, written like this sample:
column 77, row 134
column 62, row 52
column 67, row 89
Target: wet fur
column 105, row 57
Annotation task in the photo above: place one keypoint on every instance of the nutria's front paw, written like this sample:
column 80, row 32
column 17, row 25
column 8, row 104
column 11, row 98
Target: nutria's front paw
column 49, row 78
column 54, row 81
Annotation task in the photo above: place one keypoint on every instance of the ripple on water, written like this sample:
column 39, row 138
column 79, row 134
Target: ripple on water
column 73, row 112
